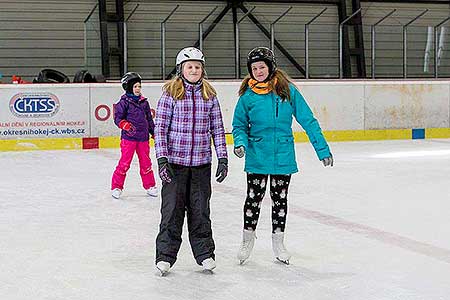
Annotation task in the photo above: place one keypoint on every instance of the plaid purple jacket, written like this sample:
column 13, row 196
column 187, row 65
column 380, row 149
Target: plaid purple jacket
column 184, row 128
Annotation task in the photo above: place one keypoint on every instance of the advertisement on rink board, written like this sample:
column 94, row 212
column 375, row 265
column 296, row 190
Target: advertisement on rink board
column 43, row 111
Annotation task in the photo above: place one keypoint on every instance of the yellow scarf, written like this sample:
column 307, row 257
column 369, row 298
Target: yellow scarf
column 260, row 88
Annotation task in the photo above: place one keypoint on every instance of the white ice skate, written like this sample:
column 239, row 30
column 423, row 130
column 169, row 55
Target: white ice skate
column 279, row 250
column 115, row 193
column 163, row 267
column 248, row 241
column 208, row 264
column 153, row 191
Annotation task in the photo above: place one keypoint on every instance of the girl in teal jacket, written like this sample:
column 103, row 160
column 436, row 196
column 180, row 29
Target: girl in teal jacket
column 262, row 131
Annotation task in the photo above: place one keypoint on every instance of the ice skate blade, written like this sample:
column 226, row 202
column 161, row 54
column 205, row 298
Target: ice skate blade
column 208, row 272
column 286, row 262
column 163, row 273
column 116, row 193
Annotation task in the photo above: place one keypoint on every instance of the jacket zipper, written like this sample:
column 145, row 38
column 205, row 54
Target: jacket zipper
column 275, row 132
column 193, row 125
column 277, row 108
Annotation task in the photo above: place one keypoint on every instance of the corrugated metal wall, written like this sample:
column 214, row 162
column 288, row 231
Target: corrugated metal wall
column 182, row 30
column 42, row 34
column 389, row 37
column 50, row 34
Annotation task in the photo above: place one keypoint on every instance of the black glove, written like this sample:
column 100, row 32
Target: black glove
column 165, row 170
column 222, row 169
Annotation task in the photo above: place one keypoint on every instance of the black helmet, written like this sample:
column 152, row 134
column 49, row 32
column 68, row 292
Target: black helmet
column 129, row 79
column 262, row 54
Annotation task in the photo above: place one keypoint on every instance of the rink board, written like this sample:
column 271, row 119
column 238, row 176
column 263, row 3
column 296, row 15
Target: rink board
column 80, row 116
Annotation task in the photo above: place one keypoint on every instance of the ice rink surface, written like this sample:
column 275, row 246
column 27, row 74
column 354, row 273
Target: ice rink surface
column 375, row 226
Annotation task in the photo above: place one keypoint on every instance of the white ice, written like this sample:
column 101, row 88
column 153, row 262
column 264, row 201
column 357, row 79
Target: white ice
column 375, row 226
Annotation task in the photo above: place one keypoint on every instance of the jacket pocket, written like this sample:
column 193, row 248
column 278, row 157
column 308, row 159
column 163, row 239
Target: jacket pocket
column 256, row 152
column 285, row 151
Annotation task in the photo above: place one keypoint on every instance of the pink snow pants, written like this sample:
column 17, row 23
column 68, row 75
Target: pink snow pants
column 127, row 149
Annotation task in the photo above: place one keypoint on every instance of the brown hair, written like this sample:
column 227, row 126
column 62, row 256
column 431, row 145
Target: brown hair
column 175, row 88
column 280, row 85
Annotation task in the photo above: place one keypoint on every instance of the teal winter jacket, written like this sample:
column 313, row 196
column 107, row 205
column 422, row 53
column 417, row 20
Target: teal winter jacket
column 263, row 125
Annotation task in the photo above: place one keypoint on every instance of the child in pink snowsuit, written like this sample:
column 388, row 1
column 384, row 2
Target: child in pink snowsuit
column 132, row 115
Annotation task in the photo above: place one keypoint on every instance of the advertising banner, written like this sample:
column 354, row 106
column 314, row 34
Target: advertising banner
column 44, row 111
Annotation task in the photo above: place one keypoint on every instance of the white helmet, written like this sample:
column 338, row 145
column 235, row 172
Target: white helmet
column 190, row 53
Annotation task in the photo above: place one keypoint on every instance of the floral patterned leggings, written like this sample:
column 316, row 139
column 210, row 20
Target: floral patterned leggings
column 256, row 188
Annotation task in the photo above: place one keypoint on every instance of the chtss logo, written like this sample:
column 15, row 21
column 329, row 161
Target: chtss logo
column 34, row 104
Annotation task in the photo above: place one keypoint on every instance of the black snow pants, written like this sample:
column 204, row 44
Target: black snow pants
column 189, row 193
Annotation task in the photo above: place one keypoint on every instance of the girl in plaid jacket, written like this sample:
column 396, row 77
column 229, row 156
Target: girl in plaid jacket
column 188, row 116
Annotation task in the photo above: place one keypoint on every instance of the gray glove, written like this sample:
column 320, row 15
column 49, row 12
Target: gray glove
column 239, row 151
column 328, row 161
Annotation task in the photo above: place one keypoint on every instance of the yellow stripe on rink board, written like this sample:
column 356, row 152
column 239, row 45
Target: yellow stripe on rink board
column 114, row 142
column 299, row 137
column 368, row 135
column 229, row 139
column 334, row 136
column 109, row 142
column 358, row 135
column 437, row 133
column 41, row 144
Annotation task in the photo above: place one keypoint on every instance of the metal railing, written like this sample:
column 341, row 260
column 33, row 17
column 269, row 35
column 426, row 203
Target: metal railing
column 272, row 28
column 307, row 41
column 125, row 39
column 375, row 49
column 373, row 40
column 236, row 46
column 438, row 45
column 200, row 28
column 341, row 43
column 405, row 42
column 163, row 42
column 85, row 36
